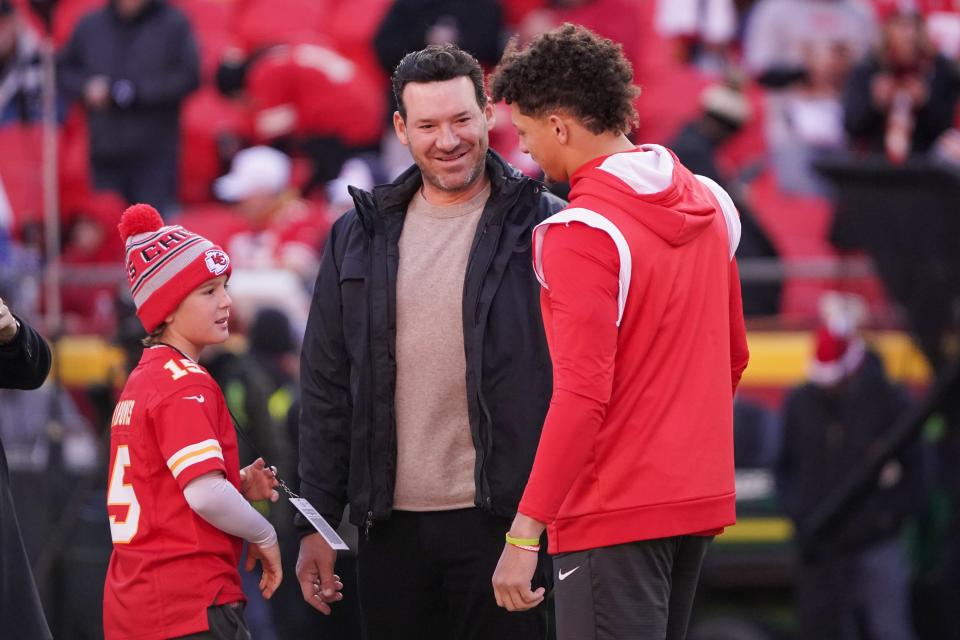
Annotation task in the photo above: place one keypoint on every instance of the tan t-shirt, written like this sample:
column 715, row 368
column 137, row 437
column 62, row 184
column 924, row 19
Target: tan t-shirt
column 435, row 452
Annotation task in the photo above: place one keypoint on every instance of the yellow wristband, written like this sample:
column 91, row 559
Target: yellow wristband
column 522, row 542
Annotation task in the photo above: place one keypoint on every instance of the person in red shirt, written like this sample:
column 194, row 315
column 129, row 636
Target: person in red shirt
column 641, row 304
column 307, row 98
column 177, row 498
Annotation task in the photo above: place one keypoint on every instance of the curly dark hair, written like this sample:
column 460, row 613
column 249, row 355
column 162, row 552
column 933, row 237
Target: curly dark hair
column 573, row 69
column 437, row 63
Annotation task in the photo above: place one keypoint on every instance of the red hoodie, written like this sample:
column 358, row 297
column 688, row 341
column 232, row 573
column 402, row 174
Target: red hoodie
column 642, row 309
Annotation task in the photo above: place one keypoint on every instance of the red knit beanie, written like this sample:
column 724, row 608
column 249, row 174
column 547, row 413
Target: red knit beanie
column 165, row 263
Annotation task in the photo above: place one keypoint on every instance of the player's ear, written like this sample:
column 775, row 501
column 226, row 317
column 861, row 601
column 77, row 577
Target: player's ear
column 558, row 127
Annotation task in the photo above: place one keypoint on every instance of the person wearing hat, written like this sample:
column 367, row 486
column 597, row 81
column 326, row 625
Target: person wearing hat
column 858, row 577
column 284, row 230
column 177, row 498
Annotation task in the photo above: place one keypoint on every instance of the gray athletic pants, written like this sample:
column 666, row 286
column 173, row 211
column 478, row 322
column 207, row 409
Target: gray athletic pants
column 636, row 591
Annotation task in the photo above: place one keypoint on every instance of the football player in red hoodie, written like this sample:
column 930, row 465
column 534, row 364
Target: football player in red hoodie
column 641, row 303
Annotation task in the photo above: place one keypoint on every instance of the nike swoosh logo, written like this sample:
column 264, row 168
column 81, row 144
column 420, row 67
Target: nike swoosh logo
column 564, row 576
column 197, row 398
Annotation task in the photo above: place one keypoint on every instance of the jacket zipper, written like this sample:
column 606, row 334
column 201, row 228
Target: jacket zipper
column 485, row 498
column 368, row 525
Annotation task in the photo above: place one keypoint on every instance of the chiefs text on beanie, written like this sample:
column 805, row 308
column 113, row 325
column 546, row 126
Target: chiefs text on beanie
column 165, row 263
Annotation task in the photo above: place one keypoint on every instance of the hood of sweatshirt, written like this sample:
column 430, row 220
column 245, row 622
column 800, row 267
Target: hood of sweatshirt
column 650, row 184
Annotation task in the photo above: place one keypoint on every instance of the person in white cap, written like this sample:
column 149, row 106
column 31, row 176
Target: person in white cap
column 285, row 231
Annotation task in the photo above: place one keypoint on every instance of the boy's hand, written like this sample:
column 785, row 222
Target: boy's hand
column 269, row 558
column 257, row 482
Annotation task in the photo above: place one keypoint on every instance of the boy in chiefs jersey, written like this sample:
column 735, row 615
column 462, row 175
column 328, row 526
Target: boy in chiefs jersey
column 177, row 499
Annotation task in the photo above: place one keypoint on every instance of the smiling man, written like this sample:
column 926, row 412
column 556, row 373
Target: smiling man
column 425, row 370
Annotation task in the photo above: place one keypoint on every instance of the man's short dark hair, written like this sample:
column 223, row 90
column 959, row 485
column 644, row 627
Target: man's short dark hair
column 569, row 69
column 437, row 63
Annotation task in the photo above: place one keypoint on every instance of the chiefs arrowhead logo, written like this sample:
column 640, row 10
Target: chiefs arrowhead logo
column 217, row 261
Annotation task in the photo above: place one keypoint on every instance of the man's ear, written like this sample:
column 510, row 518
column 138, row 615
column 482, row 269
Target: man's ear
column 490, row 113
column 400, row 128
column 558, row 127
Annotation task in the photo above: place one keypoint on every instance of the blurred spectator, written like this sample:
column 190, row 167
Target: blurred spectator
column 802, row 51
column 132, row 63
column 810, row 125
column 756, row 435
column 93, row 259
column 284, row 231
column 277, row 353
column 21, row 73
column 903, row 96
column 858, row 578
column 410, row 25
column 778, row 33
column 307, row 98
column 704, row 28
column 274, row 237
column 724, row 112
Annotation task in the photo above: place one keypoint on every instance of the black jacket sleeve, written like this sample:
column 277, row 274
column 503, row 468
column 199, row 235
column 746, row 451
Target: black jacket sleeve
column 25, row 361
column 326, row 411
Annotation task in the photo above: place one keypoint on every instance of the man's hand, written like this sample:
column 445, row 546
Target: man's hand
column 513, row 577
column 514, row 573
column 8, row 324
column 257, row 482
column 269, row 558
column 96, row 93
column 319, row 585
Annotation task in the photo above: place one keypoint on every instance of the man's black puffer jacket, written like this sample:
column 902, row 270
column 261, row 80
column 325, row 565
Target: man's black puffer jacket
column 348, row 375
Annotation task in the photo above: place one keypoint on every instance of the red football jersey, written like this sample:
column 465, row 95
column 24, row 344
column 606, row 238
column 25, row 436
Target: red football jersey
column 168, row 565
